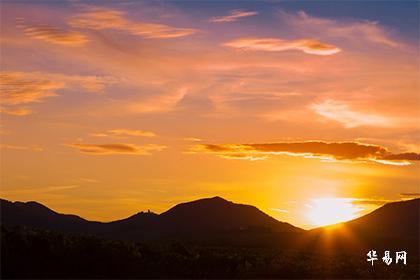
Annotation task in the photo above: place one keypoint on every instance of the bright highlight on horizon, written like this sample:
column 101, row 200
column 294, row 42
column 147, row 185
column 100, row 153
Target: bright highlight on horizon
column 332, row 210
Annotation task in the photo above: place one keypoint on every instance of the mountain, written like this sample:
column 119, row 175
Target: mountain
column 34, row 214
column 204, row 216
column 395, row 225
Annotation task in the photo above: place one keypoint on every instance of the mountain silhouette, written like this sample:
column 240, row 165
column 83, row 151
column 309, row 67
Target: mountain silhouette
column 207, row 238
column 395, row 225
column 204, row 216
column 34, row 214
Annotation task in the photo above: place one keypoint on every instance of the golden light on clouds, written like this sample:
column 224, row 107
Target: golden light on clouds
column 99, row 19
column 124, row 133
column 309, row 46
column 342, row 113
column 56, row 36
column 162, row 103
column 345, row 151
column 116, row 149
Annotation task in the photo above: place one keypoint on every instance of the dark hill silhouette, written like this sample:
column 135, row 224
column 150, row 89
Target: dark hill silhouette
column 395, row 225
column 34, row 214
column 219, row 214
column 230, row 249
column 392, row 219
column 197, row 217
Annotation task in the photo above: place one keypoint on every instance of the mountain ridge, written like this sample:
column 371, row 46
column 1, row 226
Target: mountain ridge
column 199, row 216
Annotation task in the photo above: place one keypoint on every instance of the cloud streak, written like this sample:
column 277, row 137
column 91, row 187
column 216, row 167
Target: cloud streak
column 21, row 148
column 341, row 113
column 116, row 149
column 124, row 133
column 369, row 31
column 17, row 88
column 309, row 46
column 56, row 35
column 233, row 16
column 101, row 19
column 352, row 151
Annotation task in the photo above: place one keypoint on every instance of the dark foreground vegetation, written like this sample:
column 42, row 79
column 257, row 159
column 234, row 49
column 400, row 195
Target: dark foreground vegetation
column 30, row 253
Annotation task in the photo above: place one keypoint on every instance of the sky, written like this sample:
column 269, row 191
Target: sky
column 109, row 108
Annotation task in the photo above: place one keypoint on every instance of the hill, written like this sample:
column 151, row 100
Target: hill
column 204, row 216
column 394, row 226
column 34, row 214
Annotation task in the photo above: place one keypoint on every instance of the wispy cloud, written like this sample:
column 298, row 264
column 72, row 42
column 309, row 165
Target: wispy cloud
column 23, row 87
column 355, row 30
column 124, row 133
column 233, row 16
column 22, row 148
column 158, row 103
column 17, row 88
column 34, row 190
column 341, row 112
column 352, row 151
column 18, row 111
column 309, row 46
column 56, row 35
column 117, row 148
column 100, row 19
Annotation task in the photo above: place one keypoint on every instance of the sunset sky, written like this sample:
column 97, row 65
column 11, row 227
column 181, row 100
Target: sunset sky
column 110, row 108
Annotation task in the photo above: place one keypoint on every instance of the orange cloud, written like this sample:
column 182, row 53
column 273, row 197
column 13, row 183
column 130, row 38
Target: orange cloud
column 403, row 156
column 309, row 46
column 19, row 111
column 55, row 35
column 20, row 87
column 124, row 133
column 233, row 16
column 99, row 19
column 117, row 148
column 310, row 149
column 22, row 148
column 29, row 87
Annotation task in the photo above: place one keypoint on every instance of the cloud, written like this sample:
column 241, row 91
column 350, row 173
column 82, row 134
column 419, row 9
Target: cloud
column 410, row 194
column 101, row 19
column 39, row 190
column 158, row 103
column 340, row 112
column 19, row 111
column 124, row 133
column 355, row 30
column 309, row 46
column 352, row 151
column 55, row 35
column 17, row 88
column 117, row 148
column 233, row 16
column 21, row 148
column 21, row 87
column 403, row 156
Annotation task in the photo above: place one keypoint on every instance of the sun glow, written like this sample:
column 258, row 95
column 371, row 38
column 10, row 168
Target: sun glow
column 327, row 211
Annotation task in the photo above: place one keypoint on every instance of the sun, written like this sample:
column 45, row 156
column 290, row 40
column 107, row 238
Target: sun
column 331, row 210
